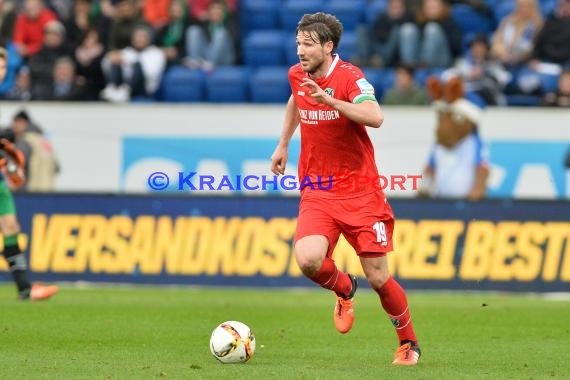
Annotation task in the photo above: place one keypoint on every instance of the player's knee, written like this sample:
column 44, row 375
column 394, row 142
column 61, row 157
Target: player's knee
column 378, row 278
column 308, row 264
column 310, row 252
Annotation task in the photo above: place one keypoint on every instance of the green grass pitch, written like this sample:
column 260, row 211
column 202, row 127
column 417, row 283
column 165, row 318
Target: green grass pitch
column 163, row 333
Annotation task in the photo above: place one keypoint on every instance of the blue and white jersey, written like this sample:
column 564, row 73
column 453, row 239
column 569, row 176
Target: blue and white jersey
column 454, row 169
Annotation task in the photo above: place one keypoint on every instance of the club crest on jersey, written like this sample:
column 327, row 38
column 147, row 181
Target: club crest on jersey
column 330, row 91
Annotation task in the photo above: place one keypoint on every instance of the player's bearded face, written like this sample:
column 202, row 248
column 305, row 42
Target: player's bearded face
column 312, row 54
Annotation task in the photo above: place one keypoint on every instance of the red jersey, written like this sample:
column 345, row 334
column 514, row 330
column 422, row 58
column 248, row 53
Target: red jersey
column 337, row 157
column 30, row 32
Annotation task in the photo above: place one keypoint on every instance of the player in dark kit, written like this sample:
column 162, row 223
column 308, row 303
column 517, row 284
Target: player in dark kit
column 333, row 102
column 11, row 174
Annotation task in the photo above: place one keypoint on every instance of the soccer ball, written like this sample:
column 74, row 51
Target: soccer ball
column 232, row 342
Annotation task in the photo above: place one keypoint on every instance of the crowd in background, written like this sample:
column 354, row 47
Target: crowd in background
column 414, row 34
column 110, row 49
column 118, row 49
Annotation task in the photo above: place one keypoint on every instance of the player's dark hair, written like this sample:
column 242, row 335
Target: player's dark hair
column 3, row 54
column 325, row 27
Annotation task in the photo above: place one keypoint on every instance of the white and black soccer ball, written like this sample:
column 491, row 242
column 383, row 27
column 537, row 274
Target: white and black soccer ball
column 232, row 342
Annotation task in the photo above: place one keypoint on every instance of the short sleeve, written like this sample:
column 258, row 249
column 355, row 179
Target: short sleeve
column 359, row 89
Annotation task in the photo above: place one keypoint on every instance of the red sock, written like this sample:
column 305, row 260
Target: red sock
column 395, row 303
column 329, row 277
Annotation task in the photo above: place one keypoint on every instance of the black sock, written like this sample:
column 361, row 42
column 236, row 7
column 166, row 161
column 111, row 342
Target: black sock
column 18, row 266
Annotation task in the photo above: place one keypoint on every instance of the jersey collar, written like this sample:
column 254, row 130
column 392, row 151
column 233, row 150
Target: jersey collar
column 333, row 65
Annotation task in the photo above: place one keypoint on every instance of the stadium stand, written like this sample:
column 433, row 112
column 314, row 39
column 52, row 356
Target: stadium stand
column 347, row 48
column 471, row 22
column 501, row 9
column 260, row 15
column 181, row 84
column 375, row 77
column 292, row 10
column 267, row 48
column 350, row 13
column 270, row 85
column 388, row 78
column 372, row 10
column 264, row 48
column 290, row 51
column 229, row 84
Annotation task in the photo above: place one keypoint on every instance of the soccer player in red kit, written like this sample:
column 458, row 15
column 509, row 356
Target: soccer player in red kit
column 333, row 102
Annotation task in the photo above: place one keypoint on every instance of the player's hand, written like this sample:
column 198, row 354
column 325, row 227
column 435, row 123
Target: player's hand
column 316, row 92
column 279, row 160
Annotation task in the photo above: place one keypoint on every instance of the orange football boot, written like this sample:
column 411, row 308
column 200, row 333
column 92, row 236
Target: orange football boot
column 344, row 310
column 407, row 354
column 43, row 292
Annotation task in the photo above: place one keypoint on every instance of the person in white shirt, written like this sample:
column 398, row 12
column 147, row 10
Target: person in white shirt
column 135, row 70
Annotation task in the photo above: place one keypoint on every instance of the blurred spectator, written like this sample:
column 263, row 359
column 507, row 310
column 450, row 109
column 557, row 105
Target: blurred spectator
column 135, row 70
column 62, row 8
column 7, row 21
column 107, row 8
column 171, row 37
column 211, row 43
column 199, row 9
column 553, row 42
column 30, row 26
column 434, row 40
column 481, row 6
column 513, row 41
column 414, row 6
column 13, row 62
column 22, row 88
column 480, row 73
column 41, row 163
column 378, row 46
column 85, row 17
column 406, row 91
column 88, row 57
column 42, row 63
column 560, row 98
column 66, row 85
column 125, row 19
column 155, row 12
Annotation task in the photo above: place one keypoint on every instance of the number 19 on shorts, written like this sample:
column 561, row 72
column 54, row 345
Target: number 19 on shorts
column 380, row 229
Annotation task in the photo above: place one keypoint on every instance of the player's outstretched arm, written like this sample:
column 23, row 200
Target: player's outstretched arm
column 281, row 153
column 368, row 112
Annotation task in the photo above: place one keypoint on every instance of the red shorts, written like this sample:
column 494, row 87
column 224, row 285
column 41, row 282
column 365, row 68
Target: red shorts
column 366, row 222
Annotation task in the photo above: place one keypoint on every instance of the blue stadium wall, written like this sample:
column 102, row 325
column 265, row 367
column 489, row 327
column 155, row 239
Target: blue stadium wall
column 247, row 241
